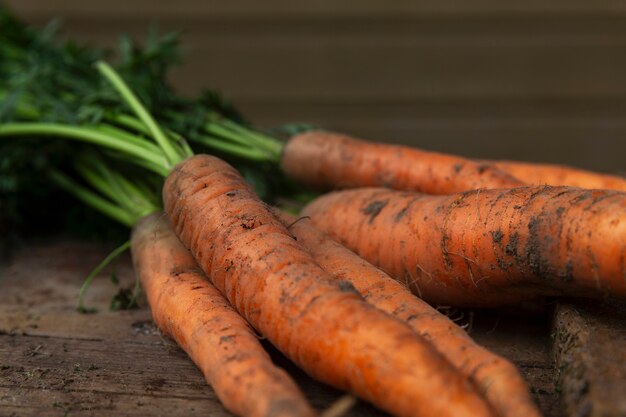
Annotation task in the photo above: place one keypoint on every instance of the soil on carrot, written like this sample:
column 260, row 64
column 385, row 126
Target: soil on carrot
column 373, row 209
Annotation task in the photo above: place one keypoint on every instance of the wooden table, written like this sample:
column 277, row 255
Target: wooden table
column 55, row 361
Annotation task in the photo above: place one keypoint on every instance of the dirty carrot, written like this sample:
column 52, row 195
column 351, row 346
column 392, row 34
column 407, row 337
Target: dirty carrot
column 326, row 328
column 188, row 308
column 495, row 377
column 549, row 174
column 486, row 247
column 330, row 160
column 184, row 304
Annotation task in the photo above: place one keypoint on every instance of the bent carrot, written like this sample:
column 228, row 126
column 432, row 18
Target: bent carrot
column 330, row 160
column 187, row 307
column 327, row 329
column 486, row 247
column 549, row 174
column 495, row 377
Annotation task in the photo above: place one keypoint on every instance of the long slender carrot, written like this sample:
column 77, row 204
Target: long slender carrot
column 327, row 329
column 486, row 247
column 330, row 160
column 496, row 378
column 549, row 174
column 188, row 308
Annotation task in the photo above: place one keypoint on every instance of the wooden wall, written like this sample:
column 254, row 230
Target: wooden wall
column 538, row 80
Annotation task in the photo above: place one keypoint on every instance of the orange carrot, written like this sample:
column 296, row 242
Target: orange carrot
column 486, row 247
column 188, row 308
column 496, row 378
column 547, row 174
column 330, row 160
column 327, row 329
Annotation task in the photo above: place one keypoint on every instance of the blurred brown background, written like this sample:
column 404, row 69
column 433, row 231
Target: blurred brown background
column 536, row 80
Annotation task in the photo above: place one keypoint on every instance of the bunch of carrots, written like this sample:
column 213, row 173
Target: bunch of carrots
column 346, row 289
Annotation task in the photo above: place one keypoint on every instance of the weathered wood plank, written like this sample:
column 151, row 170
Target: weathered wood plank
column 525, row 340
column 590, row 345
column 18, row 402
column 124, row 377
column 54, row 360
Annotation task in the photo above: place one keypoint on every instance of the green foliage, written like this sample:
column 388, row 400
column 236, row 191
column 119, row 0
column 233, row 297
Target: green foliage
column 43, row 79
column 51, row 89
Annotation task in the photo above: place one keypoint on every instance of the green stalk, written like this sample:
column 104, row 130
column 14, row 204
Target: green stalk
column 245, row 152
column 89, row 135
column 103, row 181
column 150, row 166
column 219, row 130
column 182, row 142
column 91, row 199
column 96, row 181
column 274, row 146
column 244, row 138
column 134, row 198
column 130, row 122
column 83, row 290
column 126, row 194
column 128, row 137
column 130, row 204
column 173, row 157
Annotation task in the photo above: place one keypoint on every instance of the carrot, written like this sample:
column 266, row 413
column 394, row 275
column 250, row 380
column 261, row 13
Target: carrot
column 486, row 247
column 495, row 377
column 327, row 329
column 188, row 308
column 330, row 160
column 547, row 174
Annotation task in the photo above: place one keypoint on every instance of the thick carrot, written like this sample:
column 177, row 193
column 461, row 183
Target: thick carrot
column 548, row 174
column 330, row 160
column 188, row 308
column 496, row 378
column 327, row 329
column 486, row 247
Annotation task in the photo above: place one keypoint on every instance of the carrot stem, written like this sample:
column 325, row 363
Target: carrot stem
column 132, row 123
column 129, row 122
column 172, row 155
column 218, row 130
column 122, row 134
column 90, row 135
column 226, row 130
column 91, row 199
column 232, row 149
column 83, row 289
column 270, row 144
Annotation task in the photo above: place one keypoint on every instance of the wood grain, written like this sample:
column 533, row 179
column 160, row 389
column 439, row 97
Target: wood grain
column 55, row 361
column 590, row 346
